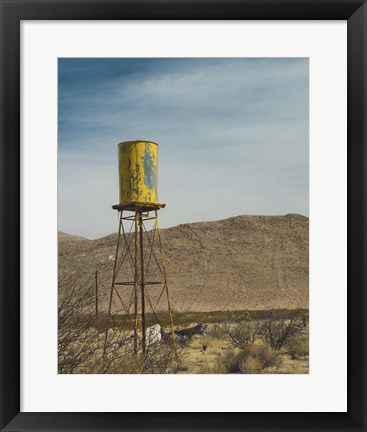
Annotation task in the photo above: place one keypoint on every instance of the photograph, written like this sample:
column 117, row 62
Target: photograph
column 183, row 215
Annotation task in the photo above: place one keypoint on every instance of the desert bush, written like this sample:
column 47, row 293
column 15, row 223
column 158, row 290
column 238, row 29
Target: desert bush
column 297, row 346
column 256, row 358
column 231, row 362
column 81, row 342
column 158, row 359
column 76, row 335
column 251, row 365
column 120, row 358
column 239, row 334
column 277, row 328
column 266, row 355
column 215, row 331
column 253, row 359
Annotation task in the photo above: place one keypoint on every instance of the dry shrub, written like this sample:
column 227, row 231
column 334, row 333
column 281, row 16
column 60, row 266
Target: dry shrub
column 298, row 346
column 81, row 344
column 210, row 342
column 267, row 356
column 76, row 334
column 159, row 359
column 253, row 359
column 231, row 362
column 278, row 327
column 240, row 335
column 251, row 365
column 215, row 331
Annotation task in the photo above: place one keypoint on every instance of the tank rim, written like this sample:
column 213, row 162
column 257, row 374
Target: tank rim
column 137, row 141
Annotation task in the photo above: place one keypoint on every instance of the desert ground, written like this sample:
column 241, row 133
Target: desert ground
column 256, row 342
column 239, row 291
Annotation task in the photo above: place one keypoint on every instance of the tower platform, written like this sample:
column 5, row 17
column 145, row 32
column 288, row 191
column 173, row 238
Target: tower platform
column 138, row 206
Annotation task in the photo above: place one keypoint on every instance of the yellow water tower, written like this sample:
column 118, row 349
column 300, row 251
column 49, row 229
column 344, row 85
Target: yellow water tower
column 138, row 172
column 138, row 204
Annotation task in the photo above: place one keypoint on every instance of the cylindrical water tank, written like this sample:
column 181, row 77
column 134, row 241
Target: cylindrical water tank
column 138, row 171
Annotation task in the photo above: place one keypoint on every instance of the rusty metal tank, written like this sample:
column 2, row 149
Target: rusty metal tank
column 138, row 171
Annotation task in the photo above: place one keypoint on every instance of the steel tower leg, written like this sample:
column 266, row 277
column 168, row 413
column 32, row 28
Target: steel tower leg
column 136, row 279
column 142, row 282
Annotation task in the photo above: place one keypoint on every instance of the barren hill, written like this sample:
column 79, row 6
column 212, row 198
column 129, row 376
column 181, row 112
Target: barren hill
column 244, row 262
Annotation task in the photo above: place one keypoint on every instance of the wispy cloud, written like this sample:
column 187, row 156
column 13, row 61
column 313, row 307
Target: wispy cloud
column 232, row 134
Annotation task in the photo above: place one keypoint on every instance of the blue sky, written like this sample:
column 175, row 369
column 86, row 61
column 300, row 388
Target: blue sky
column 233, row 137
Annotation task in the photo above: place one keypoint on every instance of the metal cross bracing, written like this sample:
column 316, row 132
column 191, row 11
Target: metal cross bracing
column 139, row 281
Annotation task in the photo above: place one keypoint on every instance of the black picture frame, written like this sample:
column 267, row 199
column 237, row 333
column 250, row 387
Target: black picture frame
column 12, row 12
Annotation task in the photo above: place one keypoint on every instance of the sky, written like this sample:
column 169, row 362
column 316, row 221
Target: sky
column 233, row 136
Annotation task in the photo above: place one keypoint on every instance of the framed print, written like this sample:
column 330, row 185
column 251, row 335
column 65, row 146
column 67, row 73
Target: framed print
column 183, row 215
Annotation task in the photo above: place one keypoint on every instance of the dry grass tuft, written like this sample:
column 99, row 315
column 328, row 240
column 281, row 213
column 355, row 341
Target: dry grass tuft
column 253, row 359
column 298, row 346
